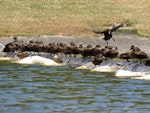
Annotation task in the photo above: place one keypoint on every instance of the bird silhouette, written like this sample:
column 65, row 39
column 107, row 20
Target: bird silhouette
column 108, row 32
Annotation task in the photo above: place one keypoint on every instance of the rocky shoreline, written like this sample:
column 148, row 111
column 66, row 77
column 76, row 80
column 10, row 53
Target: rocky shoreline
column 121, row 68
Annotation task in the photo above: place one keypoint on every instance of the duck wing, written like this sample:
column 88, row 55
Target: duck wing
column 117, row 27
column 98, row 31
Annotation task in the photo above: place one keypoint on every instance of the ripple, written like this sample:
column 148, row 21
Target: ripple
column 32, row 88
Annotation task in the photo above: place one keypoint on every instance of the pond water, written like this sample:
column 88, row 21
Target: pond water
column 62, row 89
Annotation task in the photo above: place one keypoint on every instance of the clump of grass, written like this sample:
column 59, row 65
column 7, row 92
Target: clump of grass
column 71, row 17
column 143, row 32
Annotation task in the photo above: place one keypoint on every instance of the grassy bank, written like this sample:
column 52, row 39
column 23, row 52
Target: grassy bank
column 71, row 17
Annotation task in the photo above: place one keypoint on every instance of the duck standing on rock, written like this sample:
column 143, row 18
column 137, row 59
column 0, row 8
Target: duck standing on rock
column 98, row 59
column 135, row 53
column 147, row 63
column 126, row 55
column 21, row 55
column 108, row 32
column 138, row 53
column 134, row 48
column 57, row 59
column 113, row 53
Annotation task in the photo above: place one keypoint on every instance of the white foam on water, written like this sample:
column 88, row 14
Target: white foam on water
column 82, row 67
column 38, row 60
column 106, row 68
column 126, row 73
column 5, row 58
column 133, row 70
column 145, row 77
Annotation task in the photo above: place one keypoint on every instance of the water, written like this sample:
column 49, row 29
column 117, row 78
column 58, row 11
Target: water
column 44, row 89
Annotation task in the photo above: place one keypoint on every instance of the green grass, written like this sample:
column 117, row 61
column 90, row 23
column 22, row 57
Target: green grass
column 71, row 17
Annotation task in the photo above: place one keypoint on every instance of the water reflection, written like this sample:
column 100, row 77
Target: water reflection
column 38, row 89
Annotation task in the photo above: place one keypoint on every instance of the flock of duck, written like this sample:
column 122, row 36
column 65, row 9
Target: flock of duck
column 95, row 57
column 97, row 53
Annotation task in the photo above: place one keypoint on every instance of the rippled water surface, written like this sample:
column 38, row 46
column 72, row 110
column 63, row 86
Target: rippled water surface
column 44, row 89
